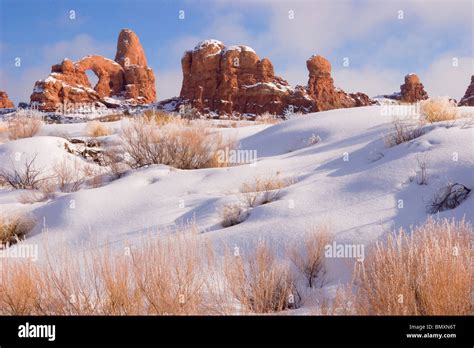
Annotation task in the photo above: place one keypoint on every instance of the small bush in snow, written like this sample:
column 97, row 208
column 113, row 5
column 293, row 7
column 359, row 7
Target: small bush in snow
column 402, row 132
column 262, row 190
column 314, row 139
column 438, row 109
column 448, row 197
column 309, row 257
column 14, row 228
column 183, row 147
column 70, row 176
column 22, row 176
column 232, row 214
column 259, row 283
column 24, row 125
column 422, row 173
column 425, row 272
column 267, row 118
column 97, row 129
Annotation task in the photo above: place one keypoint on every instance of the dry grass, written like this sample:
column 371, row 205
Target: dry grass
column 13, row 228
column 97, row 129
column 161, row 118
column 309, row 257
column 162, row 277
column 184, row 147
column 403, row 131
column 23, row 126
column 267, row 118
column 69, row 176
column 232, row 214
column 438, row 109
column 46, row 191
column 259, row 283
column 263, row 190
column 22, row 175
column 426, row 272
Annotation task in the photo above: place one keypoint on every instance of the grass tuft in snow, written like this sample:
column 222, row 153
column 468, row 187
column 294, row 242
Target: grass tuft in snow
column 13, row 228
column 438, row 109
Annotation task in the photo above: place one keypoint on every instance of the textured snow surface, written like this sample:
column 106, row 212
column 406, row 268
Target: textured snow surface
column 349, row 179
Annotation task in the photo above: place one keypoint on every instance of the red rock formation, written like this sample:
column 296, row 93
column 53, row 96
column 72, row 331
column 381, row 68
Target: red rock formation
column 468, row 99
column 321, row 88
column 234, row 79
column 129, row 49
column 5, row 102
column 131, row 80
column 412, row 90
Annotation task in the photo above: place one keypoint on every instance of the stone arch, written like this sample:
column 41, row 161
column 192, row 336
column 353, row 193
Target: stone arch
column 110, row 74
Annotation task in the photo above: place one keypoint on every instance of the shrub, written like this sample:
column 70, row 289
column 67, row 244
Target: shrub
column 263, row 190
column 259, row 283
column 309, row 259
column 46, row 191
column 23, row 125
column 426, row 272
column 70, row 176
column 163, row 276
column 438, row 109
column 267, row 118
column 26, row 177
column 232, row 214
column 422, row 173
column 161, row 118
column 181, row 147
column 448, row 197
column 97, row 129
column 14, row 228
column 402, row 132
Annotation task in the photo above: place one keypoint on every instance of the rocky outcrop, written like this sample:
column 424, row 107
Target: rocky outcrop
column 322, row 91
column 233, row 79
column 411, row 91
column 468, row 99
column 5, row 102
column 128, row 79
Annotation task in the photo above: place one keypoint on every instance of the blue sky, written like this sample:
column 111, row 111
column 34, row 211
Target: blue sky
column 381, row 46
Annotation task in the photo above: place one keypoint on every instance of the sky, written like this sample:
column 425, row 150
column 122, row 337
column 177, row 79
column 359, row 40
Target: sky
column 380, row 40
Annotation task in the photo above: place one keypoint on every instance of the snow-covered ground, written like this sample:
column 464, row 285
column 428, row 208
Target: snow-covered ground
column 349, row 180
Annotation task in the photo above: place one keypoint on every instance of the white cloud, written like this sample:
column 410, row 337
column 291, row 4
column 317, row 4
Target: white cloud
column 168, row 83
column 441, row 78
column 368, row 80
column 81, row 45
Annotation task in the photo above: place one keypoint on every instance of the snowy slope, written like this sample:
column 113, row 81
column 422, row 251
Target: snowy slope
column 349, row 179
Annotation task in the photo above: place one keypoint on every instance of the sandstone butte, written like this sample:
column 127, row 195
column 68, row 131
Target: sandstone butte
column 227, row 79
column 5, row 102
column 411, row 91
column 127, row 79
column 468, row 99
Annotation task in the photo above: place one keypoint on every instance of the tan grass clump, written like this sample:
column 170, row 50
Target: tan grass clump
column 183, row 147
column 23, row 126
column 309, row 257
column 97, row 129
column 259, row 283
column 426, row 272
column 438, row 109
column 14, row 227
column 263, row 189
